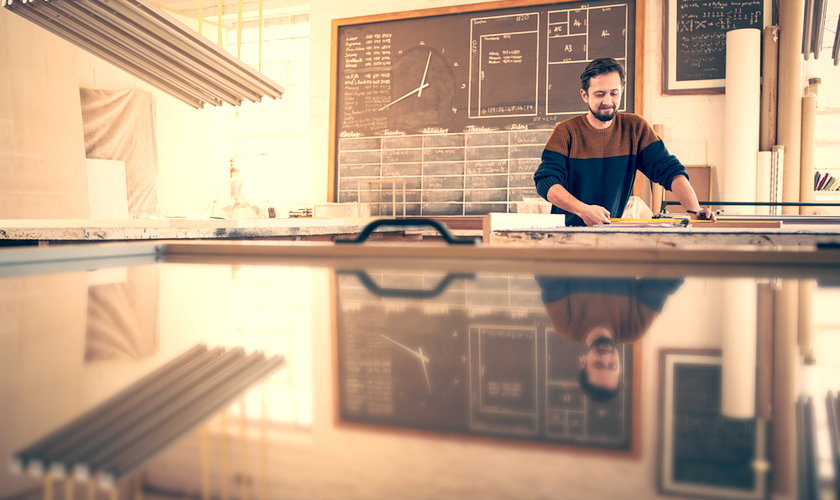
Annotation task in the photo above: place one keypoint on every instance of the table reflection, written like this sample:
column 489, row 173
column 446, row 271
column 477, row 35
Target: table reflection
column 478, row 358
column 472, row 391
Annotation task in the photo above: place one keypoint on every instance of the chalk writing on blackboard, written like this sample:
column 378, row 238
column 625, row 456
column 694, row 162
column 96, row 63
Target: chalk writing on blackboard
column 701, row 34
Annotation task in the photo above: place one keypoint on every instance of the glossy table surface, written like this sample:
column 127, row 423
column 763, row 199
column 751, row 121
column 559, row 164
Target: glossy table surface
column 426, row 371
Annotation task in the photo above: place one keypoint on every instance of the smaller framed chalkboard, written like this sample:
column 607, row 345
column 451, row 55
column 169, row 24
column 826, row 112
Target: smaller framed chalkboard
column 694, row 41
column 701, row 452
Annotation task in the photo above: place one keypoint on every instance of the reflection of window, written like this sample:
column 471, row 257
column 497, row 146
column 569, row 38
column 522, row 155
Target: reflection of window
column 828, row 101
column 270, row 139
column 271, row 313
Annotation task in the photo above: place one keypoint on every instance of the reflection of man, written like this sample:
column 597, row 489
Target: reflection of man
column 590, row 162
column 600, row 313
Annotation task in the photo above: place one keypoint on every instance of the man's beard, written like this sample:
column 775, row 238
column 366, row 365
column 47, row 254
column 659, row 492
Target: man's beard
column 602, row 341
column 609, row 115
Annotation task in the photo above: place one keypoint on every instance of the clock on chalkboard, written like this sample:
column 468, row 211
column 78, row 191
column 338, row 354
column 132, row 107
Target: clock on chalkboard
column 422, row 88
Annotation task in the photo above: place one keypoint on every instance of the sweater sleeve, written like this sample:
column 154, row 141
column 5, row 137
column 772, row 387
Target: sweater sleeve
column 552, row 170
column 655, row 161
column 554, row 166
column 654, row 292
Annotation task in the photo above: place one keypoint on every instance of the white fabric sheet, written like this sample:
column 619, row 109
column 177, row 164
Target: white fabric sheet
column 122, row 125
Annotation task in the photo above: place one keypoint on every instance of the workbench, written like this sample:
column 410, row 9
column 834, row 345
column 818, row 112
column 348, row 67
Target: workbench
column 32, row 231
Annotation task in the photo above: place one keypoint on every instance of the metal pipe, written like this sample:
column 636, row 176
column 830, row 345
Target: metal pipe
column 76, row 425
column 135, row 456
column 144, row 41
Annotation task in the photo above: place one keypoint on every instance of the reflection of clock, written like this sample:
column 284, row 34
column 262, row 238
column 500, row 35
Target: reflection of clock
column 424, row 360
column 428, row 372
column 422, row 88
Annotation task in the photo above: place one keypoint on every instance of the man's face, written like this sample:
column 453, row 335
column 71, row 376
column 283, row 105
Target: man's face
column 602, row 364
column 604, row 95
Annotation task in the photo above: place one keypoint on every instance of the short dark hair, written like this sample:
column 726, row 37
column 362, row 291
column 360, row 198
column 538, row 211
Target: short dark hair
column 601, row 66
column 597, row 394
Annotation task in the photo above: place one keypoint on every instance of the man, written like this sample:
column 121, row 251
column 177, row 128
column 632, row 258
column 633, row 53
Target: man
column 601, row 313
column 590, row 162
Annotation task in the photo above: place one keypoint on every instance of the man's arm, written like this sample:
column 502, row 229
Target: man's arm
column 688, row 199
column 591, row 214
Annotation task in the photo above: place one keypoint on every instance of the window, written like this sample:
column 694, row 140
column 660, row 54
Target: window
column 828, row 100
column 272, row 313
column 269, row 141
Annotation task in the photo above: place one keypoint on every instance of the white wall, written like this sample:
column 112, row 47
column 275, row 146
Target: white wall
column 42, row 152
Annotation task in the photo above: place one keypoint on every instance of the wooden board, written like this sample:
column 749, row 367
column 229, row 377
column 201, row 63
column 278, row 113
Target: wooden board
column 700, row 178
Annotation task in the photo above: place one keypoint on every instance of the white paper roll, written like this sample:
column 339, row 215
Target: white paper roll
column 763, row 182
column 739, row 313
column 742, row 110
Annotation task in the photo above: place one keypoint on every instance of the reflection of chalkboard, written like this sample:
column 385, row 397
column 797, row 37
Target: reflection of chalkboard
column 703, row 452
column 460, row 105
column 480, row 359
column 696, row 39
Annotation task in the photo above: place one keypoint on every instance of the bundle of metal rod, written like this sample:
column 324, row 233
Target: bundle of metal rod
column 806, row 448
column 121, row 434
column 148, row 43
column 835, row 52
column 832, row 407
column 813, row 27
column 795, row 219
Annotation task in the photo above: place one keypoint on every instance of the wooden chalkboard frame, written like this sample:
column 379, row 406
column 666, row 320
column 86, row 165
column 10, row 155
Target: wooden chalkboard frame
column 666, row 432
column 332, row 175
column 670, row 85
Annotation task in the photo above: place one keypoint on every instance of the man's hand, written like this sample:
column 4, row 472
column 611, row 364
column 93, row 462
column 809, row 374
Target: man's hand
column 704, row 213
column 594, row 214
column 591, row 214
column 688, row 199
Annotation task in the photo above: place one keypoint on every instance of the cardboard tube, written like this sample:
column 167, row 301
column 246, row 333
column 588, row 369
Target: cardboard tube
column 769, row 87
column 764, row 359
column 791, row 16
column 806, row 165
column 742, row 110
column 785, row 388
column 740, row 314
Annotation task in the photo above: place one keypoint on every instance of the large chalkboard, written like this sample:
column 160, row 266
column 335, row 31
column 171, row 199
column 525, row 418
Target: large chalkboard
column 479, row 359
column 695, row 40
column 459, row 102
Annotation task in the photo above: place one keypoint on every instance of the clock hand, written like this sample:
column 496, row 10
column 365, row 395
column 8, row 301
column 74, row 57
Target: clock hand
column 423, row 81
column 424, row 359
column 418, row 89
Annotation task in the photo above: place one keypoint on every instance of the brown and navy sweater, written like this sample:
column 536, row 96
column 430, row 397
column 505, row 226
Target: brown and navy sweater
column 624, row 306
column 598, row 167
